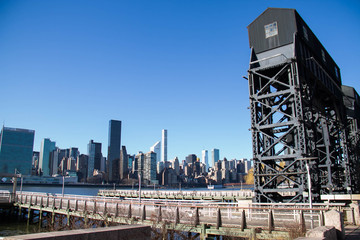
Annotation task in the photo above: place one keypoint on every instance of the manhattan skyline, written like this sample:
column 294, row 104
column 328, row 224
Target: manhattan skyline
column 69, row 67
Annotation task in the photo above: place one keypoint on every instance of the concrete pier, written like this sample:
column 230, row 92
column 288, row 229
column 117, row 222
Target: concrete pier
column 203, row 218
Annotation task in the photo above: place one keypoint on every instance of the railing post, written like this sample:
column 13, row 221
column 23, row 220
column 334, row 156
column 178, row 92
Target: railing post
column 159, row 214
column 321, row 218
column 218, row 219
column 94, row 210
column 117, row 210
column 143, row 215
column 271, row 221
column 47, row 201
column 61, row 200
column 129, row 215
column 76, row 205
column 302, row 221
column 243, row 220
column 196, row 220
column 177, row 216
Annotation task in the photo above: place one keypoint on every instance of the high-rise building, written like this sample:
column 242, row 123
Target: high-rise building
column 71, row 164
column 55, row 159
column 131, row 159
column 47, row 146
column 114, row 150
column 215, row 156
column 82, row 167
column 176, row 165
column 95, row 156
column 205, row 159
column 124, row 163
column 35, row 162
column 138, row 165
column 74, row 152
column 16, row 150
column 164, row 145
column 149, row 175
column 191, row 159
column 156, row 148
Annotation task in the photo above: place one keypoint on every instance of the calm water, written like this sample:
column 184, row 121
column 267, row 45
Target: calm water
column 77, row 190
column 93, row 190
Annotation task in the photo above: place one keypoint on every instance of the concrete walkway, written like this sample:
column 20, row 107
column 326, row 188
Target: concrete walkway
column 352, row 232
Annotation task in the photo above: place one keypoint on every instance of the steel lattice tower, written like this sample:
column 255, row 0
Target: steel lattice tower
column 298, row 118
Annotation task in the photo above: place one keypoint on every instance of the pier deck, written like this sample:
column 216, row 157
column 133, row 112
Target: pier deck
column 240, row 219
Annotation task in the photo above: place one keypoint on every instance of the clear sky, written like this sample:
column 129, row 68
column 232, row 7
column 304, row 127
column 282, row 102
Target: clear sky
column 68, row 67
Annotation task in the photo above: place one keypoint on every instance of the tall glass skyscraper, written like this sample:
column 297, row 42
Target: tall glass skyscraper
column 16, row 150
column 156, row 149
column 124, row 163
column 215, row 156
column 47, row 146
column 95, row 155
column 164, row 145
column 114, row 150
column 204, row 159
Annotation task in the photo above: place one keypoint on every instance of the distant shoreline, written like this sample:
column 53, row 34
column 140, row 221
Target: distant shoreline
column 111, row 186
column 66, row 184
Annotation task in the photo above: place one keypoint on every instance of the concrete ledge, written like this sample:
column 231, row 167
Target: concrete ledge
column 124, row 232
column 324, row 232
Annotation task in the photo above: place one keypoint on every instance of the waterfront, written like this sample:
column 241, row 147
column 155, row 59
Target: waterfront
column 91, row 190
column 77, row 190
column 11, row 226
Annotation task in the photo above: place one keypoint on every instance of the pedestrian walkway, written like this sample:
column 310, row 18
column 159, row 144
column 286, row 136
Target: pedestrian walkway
column 352, row 232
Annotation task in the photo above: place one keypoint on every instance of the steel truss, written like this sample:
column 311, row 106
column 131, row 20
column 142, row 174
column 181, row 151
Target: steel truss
column 296, row 121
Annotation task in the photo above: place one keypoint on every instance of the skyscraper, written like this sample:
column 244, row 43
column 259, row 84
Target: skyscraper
column 156, row 149
column 215, row 156
column 176, row 165
column 95, row 155
column 47, row 146
column 114, row 150
column 55, row 159
column 124, row 163
column 149, row 175
column 164, row 145
column 205, row 159
column 82, row 167
column 16, row 150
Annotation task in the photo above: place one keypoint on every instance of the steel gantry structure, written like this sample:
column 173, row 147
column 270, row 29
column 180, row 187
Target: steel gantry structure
column 298, row 117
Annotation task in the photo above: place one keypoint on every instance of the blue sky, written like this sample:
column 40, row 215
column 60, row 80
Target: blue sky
column 68, row 67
